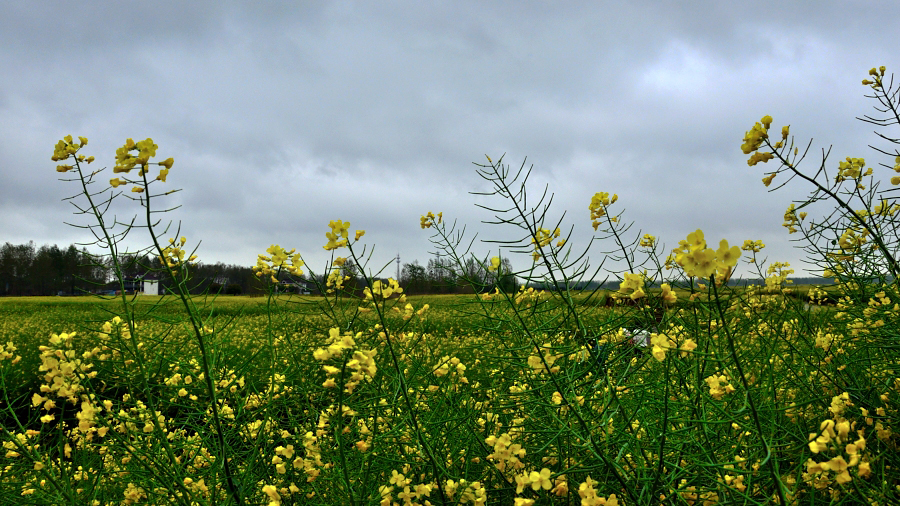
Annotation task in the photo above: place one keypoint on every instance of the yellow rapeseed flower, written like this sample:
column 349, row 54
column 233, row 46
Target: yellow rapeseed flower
column 338, row 236
column 754, row 246
column 754, row 138
column 668, row 296
column 430, row 219
column 728, row 256
column 599, row 202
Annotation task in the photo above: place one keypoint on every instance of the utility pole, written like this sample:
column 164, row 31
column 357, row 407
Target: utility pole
column 398, row 266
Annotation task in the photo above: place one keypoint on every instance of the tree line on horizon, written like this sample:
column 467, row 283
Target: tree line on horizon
column 27, row 269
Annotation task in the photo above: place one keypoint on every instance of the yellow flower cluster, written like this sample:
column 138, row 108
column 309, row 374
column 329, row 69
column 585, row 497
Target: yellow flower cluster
column 529, row 295
column 61, row 366
column 336, row 277
column 647, row 241
column 410, row 494
column 472, row 493
column 777, row 275
column 542, row 238
column 877, row 75
column 791, row 219
column 660, row 343
column 312, row 460
column 339, row 235
column 754, row 139
column 537, row 480
column 66, row 148
column 337, row 343
column 719, row 386
column 834, row 436
column 280, row 260
column 668, row 295
column 754, row 246
column 8, row 352
column 361, row 365
column 896, row 179
column 384, row 290
column 506, row 453
column 882, row 208
column 852, row 240
column 430, row 219
column 851, row 168
column 64, row 371
column 537, row 365
column 173, row 255
column 451, row 364
column 761, row 156
column 599, row 202
column 589, row 497
column 697, row 260
column 635, row 284
column 126, row 160
column 690, row 496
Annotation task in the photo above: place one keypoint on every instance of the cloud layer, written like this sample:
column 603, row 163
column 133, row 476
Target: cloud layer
column 283, row 117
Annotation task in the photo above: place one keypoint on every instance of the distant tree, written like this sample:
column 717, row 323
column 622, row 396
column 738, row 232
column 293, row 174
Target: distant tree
column 413, row 278
column 16, row 268
column 441, row 276
column 476, row 275
column 46, row 270
column 355, row 283
column 504, row 279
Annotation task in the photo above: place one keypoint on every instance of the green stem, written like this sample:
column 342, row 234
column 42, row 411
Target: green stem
column 770, row 459
column 204, row 354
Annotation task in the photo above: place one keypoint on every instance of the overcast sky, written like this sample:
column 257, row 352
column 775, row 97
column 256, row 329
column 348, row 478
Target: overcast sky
column 282, row 116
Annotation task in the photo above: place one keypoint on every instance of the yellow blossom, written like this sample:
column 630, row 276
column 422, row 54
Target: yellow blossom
column 430, row 219
column 540, row 480
column 668, row 295
column 688, row 346
column 338, row 236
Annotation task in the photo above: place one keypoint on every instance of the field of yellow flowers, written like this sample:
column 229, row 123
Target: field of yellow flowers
column 676, row 388
column 311, row 413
